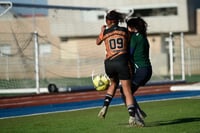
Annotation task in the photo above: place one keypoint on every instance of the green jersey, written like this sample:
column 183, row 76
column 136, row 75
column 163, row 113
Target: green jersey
column 139, row 50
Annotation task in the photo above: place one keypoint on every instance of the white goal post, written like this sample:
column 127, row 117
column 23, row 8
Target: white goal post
column 5, row 6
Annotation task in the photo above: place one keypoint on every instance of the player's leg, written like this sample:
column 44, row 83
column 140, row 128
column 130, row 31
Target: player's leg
column 141, row 77
column 141, row 114
column 108, row 97
column 126, row 85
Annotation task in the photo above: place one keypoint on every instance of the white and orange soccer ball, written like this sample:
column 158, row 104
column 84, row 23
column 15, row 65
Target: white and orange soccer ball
column 101, row 82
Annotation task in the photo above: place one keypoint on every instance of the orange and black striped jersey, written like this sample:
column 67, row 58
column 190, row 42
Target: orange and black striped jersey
column 116, row 41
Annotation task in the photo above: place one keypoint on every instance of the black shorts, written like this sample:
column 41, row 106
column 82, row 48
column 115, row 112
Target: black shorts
column 118, row 67
column 142, row 75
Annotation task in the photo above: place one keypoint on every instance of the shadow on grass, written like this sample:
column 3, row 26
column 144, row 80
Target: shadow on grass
column 171, row 122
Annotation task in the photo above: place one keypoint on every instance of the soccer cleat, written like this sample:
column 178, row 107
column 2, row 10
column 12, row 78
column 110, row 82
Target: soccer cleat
column 102, row 112
column 133, row 121
column 138, row 118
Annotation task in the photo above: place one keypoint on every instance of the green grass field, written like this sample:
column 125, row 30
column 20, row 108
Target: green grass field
column 172, row 116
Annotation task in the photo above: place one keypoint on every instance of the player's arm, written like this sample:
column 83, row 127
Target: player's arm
column 100, row 37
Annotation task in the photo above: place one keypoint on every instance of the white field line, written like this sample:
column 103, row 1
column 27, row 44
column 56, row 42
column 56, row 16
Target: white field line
column 23, row 90
column 193, row 87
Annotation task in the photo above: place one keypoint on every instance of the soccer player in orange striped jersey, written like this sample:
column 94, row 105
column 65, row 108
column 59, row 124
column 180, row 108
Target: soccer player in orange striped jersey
column 116, row 63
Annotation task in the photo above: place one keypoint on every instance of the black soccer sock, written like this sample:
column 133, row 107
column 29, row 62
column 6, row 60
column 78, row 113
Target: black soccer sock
column 107, row 100
column 131, row 110
column 136, row 104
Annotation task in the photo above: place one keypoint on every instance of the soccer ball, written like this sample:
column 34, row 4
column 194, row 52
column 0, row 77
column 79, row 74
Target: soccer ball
column 101, row 82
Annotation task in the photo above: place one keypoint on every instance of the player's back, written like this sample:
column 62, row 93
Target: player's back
column 116, row 41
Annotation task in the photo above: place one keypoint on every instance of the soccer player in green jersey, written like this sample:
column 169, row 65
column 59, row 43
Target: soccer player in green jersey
column 139, row 56
column 116, row 63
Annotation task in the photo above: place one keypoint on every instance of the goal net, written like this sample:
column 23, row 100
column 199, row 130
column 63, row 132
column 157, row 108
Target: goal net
column 67, row 57
column 67, row 50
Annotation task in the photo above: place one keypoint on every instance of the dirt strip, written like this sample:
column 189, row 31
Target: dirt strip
column 54, row 98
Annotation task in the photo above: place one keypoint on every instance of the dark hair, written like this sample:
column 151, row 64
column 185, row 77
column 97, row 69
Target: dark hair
column 139, row 24
column 116, row 16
